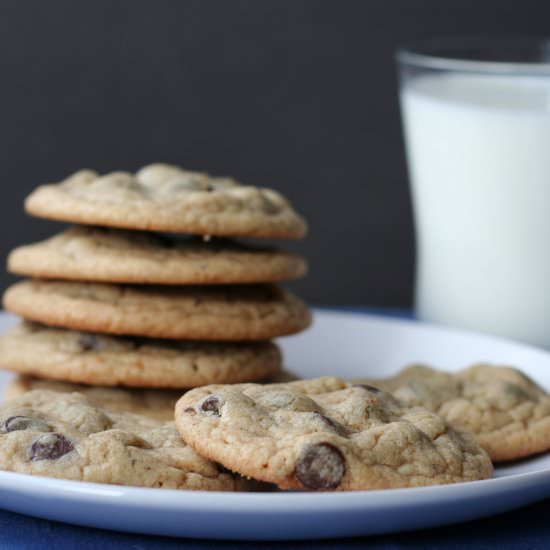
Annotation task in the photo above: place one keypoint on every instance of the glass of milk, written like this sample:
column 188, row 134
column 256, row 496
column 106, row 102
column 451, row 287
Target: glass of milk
column 476, row 120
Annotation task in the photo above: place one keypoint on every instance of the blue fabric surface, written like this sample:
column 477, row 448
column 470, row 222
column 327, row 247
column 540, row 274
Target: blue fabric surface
column 527, row 528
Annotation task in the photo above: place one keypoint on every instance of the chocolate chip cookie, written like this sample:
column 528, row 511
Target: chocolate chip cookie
column 154, row 403
column 507, row 412
column 160, row 197
column 326, row 434
column 111, row 255
column 89, row 358
column 157, row 404
column 235, row 312
column 66, row 436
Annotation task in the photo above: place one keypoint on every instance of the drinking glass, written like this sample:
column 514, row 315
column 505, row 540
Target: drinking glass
column 476, row 122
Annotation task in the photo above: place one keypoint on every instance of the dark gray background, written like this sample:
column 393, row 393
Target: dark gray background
column 297, row 95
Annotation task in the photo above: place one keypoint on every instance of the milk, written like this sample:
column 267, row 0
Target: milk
column 478, row 150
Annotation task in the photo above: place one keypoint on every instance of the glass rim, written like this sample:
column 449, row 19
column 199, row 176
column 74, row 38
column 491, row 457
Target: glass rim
column 424, row 54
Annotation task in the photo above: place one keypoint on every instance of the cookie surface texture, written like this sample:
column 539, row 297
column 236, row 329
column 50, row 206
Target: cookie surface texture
column 325, row 434
column 233, row 312
column 89, row 358
column 65, row 436
column 507, row 412
column 111, row 255
column 162, row 197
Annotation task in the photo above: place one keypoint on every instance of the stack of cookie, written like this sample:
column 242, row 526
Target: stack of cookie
column 116, row 302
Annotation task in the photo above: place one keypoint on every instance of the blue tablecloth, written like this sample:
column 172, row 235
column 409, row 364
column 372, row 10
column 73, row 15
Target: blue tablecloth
column 527, row 527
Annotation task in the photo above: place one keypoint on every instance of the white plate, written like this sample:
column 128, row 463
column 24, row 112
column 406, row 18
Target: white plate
column 349, row 345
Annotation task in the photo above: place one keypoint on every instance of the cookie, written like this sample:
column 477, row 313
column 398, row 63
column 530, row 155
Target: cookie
column 325, row 434
column 111, row 255
column 154, row 403
column 254, row 312
column 66, row 436
column 160, row 197
column 90, row 358
column 505, row 410
column 157, row 404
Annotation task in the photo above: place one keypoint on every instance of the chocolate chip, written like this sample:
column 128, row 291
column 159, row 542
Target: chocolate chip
column 190, row 410
column 16, row 423
column 517, row 392
column 88, row 342
column 338, row 428
column 368, row 387
column 212, row 405
column 321, row 466
column 50, row 447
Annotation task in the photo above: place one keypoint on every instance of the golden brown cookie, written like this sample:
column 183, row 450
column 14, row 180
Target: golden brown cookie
column 232, row 312
column 88, row 358
column 160, row 197
column 66, row 436
column 503, row 408
column 157, row 404
column 325, row 434
column 114, row 255
column 154, row 403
